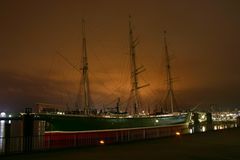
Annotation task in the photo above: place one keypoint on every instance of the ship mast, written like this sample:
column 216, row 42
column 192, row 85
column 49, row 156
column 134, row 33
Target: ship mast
column 170, row 94
column 85, row 80
column 134, row 70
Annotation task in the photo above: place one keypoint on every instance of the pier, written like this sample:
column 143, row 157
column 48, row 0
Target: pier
column 221, row 144
column 26, row 134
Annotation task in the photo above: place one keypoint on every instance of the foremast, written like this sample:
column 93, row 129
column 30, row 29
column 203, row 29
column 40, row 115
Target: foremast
column 134, row 71
column 170, row 97
column 85, row 80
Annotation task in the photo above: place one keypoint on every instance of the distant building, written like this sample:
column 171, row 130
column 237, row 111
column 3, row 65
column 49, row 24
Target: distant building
column 48, row 108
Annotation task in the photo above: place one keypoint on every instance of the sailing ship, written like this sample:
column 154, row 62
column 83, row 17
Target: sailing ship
column 88, row 120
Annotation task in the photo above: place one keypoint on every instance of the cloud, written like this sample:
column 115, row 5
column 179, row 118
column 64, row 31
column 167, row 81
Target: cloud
column 21, row 90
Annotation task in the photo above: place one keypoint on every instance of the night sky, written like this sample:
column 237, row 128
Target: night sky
column 203, row 39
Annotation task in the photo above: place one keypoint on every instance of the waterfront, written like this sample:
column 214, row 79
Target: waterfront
column 221, row 144
column 15, row 142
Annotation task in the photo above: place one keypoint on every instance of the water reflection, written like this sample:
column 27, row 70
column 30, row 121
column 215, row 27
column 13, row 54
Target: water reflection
column 15, row 139
column 204, row 128
column 191, row 130
column 1, row 134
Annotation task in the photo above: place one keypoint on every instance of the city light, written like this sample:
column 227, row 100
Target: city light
column 2, row 114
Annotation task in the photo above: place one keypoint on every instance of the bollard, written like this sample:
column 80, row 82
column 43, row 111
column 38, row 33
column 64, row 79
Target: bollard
column 28, row 130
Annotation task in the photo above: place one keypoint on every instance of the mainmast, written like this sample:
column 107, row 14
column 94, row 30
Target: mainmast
column 85, row 81
column 170, row 94
column 134, row 70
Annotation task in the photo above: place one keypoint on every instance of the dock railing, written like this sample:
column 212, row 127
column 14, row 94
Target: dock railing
column 57, row 140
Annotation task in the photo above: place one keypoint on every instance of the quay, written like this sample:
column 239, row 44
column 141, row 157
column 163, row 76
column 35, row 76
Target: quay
column 32, row 141
column 220, row 144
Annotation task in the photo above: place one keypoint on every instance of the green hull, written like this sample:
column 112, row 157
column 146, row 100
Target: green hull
column 84, row 123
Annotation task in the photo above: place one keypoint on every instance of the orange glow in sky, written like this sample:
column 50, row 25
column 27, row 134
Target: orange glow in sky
column 203, row 39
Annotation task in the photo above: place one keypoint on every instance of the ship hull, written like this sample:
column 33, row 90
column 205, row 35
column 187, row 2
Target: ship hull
column 66, row 139
column 75, row 131
column 84, row 123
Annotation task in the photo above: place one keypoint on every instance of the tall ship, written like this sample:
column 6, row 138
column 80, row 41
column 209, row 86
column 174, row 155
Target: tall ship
column 88, row 119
